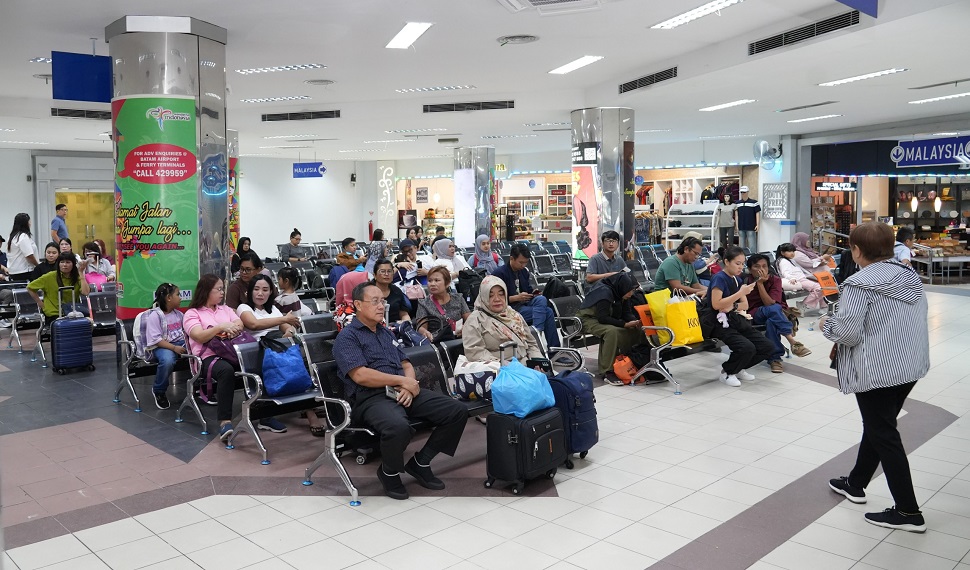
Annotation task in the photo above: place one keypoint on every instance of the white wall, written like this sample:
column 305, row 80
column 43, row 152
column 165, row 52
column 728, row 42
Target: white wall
column 16, row 194
column 272, row 203
column 773, row 232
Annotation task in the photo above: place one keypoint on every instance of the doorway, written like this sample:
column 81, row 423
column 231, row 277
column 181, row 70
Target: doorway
column 90, row 216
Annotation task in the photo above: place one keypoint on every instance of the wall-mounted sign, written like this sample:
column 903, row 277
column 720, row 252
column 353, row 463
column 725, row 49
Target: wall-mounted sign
column 932, row 152
column 501, row 167
column 638, row 180
column 774, row 197
column 836, row 186
column 308, row 169
column 586, row 153
column 421, row 195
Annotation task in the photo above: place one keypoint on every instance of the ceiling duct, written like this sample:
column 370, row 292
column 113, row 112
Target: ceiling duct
column 648, row 80
column 551, row 7
column 472, row 106
column 81, row 114
column 302, row 116
column 803, row 107
column 803, row 33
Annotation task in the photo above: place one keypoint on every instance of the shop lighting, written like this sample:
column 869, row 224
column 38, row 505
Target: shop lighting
column 935, row 99
column 408, row 35
column 914, row 204
column 718, row 137
column 23, row 142
column 937, row 204
column 409, row 131
column 436, row 88
column 40, row 60
column 700, row 165
column 576, row 64
column 297, row 67
column 863, row 77
column 275, row 99
column 691, row 15
column 390, row 141
column 507, row 136
column 290, row 137
column 728, row 105
column 819, row 118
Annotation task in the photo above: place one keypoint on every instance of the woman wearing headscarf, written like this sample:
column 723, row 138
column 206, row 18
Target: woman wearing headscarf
column 805, row 256
column 444, row 252
column 607, row 313
column 484, row 257
column 494, row 322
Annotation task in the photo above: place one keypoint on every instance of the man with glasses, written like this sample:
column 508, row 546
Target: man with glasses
column 677, row 272
column 606, row 262
column 385, row 396
column 58, row 225
column 524, row 297
column 238, row 292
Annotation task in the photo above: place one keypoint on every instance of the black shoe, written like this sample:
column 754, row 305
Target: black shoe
column 842, row 487
column 161, row 400
column 892, row 518
column 393, row 486
column 423, row 475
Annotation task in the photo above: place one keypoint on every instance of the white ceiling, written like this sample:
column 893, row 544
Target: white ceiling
column 927, row 37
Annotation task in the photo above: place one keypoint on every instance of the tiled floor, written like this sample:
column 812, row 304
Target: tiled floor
column 715, row 478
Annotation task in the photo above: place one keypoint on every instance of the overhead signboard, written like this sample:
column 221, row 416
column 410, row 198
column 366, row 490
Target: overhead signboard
column 932, row 152
column 870, row 7
column 308, row 170
column 836, row 186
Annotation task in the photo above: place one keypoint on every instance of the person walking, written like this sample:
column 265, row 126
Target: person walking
column 58, row 226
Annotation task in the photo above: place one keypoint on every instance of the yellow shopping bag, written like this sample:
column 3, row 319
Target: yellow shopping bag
column 682, row 319
column 658, row 310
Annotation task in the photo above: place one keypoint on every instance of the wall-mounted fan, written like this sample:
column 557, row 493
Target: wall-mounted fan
column 765, row 154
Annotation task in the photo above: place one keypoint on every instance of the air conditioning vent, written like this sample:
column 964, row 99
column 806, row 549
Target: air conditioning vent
column 473, row 106
column 648, row 80
column 803, row 33
column 302, row 116
column 81, row 114
column 551, row 7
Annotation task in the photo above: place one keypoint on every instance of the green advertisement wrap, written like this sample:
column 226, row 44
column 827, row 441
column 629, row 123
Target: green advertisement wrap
column 156, row 197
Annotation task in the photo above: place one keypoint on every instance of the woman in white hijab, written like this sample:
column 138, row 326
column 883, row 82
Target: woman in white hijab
column 444, row 253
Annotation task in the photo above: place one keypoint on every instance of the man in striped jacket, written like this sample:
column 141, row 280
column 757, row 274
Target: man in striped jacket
column 882, row 340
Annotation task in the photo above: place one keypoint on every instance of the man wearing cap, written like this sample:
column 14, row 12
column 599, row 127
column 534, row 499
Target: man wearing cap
column 702, row 266
column 749, row 217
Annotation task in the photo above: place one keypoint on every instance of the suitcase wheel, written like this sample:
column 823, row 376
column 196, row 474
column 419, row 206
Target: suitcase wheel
column 519, row 487
column 582, row 455
column 361, row 458
column 568, row 463
column 551, row 473
column 91, row 367
column 61, row 371
column 489, row 482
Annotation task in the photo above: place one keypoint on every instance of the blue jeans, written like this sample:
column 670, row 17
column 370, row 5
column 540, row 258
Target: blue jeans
column 166, row 363
column 537, row 313
column 748, row 239
column 776, row 325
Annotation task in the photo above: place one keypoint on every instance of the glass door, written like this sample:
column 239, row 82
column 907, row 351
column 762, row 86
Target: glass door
column 90, row 216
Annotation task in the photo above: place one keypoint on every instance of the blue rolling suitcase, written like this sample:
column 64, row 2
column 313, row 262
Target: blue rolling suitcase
column 576, row 402
column 71, row 342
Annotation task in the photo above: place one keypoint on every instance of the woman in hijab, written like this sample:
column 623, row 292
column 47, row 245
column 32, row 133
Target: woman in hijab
column 607, row 313
column 493, row 322
column 484, row 257
column 805, row 256
column 444, row 252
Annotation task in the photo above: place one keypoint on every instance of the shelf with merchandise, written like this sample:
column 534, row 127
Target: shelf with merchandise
column 683, row 218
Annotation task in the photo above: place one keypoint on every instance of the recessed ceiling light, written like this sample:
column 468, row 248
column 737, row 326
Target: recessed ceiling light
column 691, row 15
column 319, row 82
column 716, row 137
column 105, row 134
column 819, row 118
column 257, row 154
column 654, row 131
column 275, row 99
column 287, row 146
column 7, row 130
column 408, row 35
column 728, row 105
column 363, row 150
column 22, row 142
column 390, row 141
column 564, row 124
column 507, row 136
column 576, row 64
column 291, row 136
column 862, row 77
column 945, row 134
column 935, row 99
column 437, row 88
column 40, row 60
column 434, row 156
column 407, row 131
column 297, row 67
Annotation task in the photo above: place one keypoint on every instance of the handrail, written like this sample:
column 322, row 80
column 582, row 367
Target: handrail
column 818, row 244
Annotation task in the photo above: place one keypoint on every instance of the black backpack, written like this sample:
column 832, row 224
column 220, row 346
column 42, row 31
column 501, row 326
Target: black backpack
column 555, row 289
column 469, row 282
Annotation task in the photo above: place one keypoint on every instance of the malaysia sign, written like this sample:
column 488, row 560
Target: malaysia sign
column 932, row 152
column 308, row 169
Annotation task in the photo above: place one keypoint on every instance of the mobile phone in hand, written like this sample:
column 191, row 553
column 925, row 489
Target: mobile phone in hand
column 626, row 270
column 391, row 392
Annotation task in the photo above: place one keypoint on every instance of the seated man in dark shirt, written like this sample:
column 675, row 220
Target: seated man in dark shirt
column 370, row 362
column 534, row 308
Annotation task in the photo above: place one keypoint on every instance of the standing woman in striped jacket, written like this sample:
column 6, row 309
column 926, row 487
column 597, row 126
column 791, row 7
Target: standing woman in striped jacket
column 882, row 349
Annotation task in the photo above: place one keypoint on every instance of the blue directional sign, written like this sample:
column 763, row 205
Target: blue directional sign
column 870, row 7
column 931, row 152
column 308, row 170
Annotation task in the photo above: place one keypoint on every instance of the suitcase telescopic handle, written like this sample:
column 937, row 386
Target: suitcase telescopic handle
column 501, row 350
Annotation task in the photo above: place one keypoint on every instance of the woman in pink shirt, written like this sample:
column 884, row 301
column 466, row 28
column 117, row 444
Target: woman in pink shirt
column 206, row 318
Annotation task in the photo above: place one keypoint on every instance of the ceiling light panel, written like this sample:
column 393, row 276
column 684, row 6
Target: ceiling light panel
column 436, row 88
column 297, row 67
column 408, row 35
column 718, row 137
column 291, row 137
column 507, row 136
column 363, row 150
column 863, row 77
column 654, row 131
column 945, row 134
column 40, row 60
column 576, row 64
column 565, row 124
column 7, row 130
column 390, row 141
column 691, row 15
column 22, row 142
column 935, row 99
column 409, row 131
column 286, row 146
column 275, row 99
column 819, row 118
column 728, row 105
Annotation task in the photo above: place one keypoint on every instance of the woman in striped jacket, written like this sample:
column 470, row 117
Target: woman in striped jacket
column 882, row 349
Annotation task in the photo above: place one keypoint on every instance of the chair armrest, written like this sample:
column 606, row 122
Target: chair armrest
column 198, row 364
column 343, row 404
column 574, row 354
column 576, row 321
column 669, row 331
column 127, row 350
column 248, row 379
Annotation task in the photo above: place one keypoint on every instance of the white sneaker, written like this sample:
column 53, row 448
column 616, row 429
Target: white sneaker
column 729, row 379
column 745, row 375
column 5, row 324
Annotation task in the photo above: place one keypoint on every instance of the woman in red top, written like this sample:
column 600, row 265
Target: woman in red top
column 766, row 304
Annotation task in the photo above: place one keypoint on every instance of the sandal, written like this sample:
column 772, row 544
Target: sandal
column 318, row 431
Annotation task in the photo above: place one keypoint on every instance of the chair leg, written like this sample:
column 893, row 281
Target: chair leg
column 655, row 365
column 331, row 454
column 246, row 424
column 189, row 402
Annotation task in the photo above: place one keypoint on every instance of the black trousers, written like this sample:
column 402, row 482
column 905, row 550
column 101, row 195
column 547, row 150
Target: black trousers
column 391, row 422
column 224, row 375
column 881, row 444
column 748, row 346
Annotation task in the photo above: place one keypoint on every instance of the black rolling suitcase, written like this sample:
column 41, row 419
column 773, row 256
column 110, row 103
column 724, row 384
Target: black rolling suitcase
column 520, row 449
column 71, row 340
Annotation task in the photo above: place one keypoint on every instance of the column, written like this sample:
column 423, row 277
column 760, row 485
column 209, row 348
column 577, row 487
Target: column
column 474, row 193
column 603, row 187
column 232, row 144
column 168, row 114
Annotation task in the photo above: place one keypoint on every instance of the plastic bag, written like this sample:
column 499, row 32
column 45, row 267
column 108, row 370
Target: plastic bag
column 519, row 391
column 473, row 380
column 682, row 319
column 658, row 310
